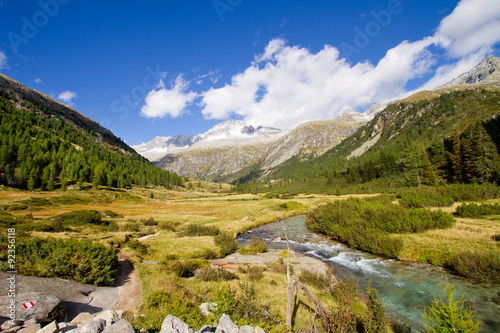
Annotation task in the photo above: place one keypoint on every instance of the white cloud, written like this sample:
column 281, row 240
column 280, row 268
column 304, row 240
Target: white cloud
column 67, row 97
column 3, row 60
column 37, row 80
column 171, row 102
column 473, row 25
column 288, row 85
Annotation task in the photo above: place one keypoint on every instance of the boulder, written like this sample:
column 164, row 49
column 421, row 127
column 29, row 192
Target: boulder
column 246, row 329
column 10, row 324
column 65, row 327
column 121, row 326
column 226, row 325
column 50, row 328
column 206, row 308
column 31, row 329
column 82, row 318
column 43, row 306
column 109, row 315
column 13, row 329
column 95, row 326
column 172, row 324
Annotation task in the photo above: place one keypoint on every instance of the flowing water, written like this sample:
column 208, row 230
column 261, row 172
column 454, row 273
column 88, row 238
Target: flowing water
column 404, row 288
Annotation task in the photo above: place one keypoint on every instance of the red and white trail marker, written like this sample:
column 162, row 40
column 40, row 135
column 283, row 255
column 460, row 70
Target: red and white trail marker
column 28, row 305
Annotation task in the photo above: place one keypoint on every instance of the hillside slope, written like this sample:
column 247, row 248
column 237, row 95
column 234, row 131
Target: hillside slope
column 44, row 143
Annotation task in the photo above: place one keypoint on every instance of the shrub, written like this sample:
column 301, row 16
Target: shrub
column 483, row 267
column 255, row 273
column 206, row 254
column 112, row 226
column 184, row 268
column 255, row 246
column 35, row 226
column 470, row 192
column 130, row 227
column 376, row 321
column 175, row 300
column 496, row 237
column 226, row 243
column 195, row 230
column 476, row 211
column 320, row 281
column 149, row 222
column 211, row 273
column 57, row 225
column 82, row 261
column 110, row 214
column 290, row 205
column 81, row 217
column 345, row 292
column 424, row 197
column 450, row 315
column 137, row 246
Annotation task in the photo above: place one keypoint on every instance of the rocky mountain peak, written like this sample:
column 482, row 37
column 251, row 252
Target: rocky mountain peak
column 487, row 70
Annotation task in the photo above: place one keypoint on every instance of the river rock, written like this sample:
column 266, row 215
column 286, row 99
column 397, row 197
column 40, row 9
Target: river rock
column 121, row 326
column 50, row 328
column 95, row 326
column 172, row 324
column 43, row 306
column 109, row 315
column 226, row 325
column 259, row 330
column 246, row 329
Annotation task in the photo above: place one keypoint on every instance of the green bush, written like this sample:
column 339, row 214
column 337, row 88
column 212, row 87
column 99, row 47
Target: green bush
column 167, row 226
column 81, row 261
column 110, row 214
column 365, row 224
column 149, row 222
column 134, row 244
column 195, row 230
column 81, row 217
column 470, row 192
column 424, row 197
column 255, row 246
column 450, row 315
column 226, row 243
column 112, row 226
column 214, row 274
column 35, row 226
column 476, row 211
column 177, row 301
column 130, row 227
column 483, row 267
column 255, row 273
column 205, row 254
column 320, row 281
column 376, row 320
column 184, row 268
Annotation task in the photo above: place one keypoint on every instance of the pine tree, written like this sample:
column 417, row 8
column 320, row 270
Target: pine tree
column 457, row 158
column 31, row 182
column 428, row 175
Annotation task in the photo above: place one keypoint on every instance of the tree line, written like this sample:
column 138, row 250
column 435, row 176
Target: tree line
column 41, row 150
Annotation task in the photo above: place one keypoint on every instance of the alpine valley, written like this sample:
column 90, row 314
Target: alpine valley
column 233, row 150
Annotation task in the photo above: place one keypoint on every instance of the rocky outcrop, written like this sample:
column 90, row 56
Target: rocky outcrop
column 486, row 71
column 43, row 306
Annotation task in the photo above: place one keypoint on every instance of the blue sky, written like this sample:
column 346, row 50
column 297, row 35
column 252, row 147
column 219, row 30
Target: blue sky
column 162, row 68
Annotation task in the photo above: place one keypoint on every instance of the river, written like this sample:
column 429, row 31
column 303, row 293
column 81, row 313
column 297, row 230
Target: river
column 404, row 288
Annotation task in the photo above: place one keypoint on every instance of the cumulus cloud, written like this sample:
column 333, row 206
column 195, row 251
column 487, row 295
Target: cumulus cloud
column 162, row 102
column 473, row 25
column 3, row 60
column 288, row 85
column 67, row 97
column 37, row 80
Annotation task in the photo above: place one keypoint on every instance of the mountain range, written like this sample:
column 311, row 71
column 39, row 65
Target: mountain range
column 233, row 149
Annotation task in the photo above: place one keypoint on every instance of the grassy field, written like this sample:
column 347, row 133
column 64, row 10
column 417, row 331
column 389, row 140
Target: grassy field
column 173, row 210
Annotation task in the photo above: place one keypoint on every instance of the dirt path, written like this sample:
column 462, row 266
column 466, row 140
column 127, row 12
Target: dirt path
column 129, row 285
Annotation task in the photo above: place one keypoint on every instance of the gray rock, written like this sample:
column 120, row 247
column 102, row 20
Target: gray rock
column 226, row 325
column 172, row 324
column 13, row 329
column 206, row 308
column 10, row 324
column 207, row 329
column 65, row 328
column 82, row 318
column 30, row 322
column 95, row 326
column 108, row 314
column 50, row 328
column 121, row 326
column 44, row 304
column 246, row 329
column 31, row 329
